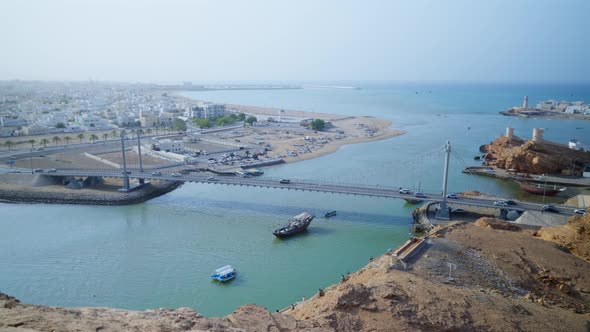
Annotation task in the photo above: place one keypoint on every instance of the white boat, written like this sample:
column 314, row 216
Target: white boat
column 224, row 273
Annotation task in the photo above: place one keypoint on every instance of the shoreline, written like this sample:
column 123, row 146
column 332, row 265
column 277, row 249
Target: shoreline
column 383, row 127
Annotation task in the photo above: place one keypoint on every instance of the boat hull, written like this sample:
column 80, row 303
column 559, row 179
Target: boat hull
column 539, row 189
column 294, row 227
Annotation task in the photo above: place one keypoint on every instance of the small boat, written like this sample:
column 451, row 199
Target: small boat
column 224, row 273
column 330, row 214
column 296, row 225
column 541, row 189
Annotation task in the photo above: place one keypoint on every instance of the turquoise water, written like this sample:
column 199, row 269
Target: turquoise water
column 161, row 253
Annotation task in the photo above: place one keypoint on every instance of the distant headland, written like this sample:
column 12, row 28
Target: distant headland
column 552, row 108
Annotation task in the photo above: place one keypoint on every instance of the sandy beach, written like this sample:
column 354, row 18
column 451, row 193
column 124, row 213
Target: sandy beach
column 293, row 142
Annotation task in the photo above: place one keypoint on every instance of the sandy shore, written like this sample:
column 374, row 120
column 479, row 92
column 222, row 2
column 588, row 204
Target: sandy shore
column 299, row 143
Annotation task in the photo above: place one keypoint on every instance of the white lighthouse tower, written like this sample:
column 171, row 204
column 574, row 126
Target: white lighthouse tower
column 525, row 104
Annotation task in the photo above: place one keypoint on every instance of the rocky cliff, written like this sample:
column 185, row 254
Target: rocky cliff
column 534, row 157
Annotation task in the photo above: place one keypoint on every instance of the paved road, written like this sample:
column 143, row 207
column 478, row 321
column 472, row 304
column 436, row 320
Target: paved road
column 304, row 185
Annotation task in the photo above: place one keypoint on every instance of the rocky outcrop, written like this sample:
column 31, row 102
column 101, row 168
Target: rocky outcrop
column 575, row 235
column 534, row 157
column 18, row 317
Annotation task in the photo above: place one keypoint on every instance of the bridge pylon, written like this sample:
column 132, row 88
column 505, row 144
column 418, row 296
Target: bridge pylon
column 443, row 210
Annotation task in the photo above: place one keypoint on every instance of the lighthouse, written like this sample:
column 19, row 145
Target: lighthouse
column 525, row 103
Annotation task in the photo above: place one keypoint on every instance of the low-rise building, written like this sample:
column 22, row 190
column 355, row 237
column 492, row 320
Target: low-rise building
column 169, row 145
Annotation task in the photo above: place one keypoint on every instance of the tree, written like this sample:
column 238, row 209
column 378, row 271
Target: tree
column 45, row 141
column 114, row 133
column 202, row 123
column 80, row 137
column 32, row 141
column 251, row 119
column 93, row 138
column 60, row 125
column 9, row 144
column 318, row 124
column 149, row 131
column 242, row 116
column 105, row 136
column 179, row 125
column 56, row 140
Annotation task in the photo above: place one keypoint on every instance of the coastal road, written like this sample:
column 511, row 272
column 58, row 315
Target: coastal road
column 296, row 184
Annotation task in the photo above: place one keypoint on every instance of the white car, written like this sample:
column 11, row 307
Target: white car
column 500, row 203
column 175, row 175
column 211, row 178
column 580, row 211
column 156, row 173
column 15, row 171
column 51, row 170
column 405, row 191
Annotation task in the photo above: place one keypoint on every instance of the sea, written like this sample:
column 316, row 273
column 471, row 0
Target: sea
column 161, row 253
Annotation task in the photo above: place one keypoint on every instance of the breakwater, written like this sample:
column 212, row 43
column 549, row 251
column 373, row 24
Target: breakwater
column 88, row 196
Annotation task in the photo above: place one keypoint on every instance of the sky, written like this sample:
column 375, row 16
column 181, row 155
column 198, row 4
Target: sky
column 295, row 40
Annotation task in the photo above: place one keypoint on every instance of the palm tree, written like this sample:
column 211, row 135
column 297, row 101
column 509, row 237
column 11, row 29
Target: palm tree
column 32, row 141
column 105, row 136
column 114, row 134
column 149, row 131
column 81, row 137
column 67, row 139
column 93, row 138
column 44, row 142
column 9, row 144
column 56, row 140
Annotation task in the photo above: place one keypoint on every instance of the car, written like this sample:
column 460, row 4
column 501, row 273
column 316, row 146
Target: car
column 175, row 175
column 550, row 208
column 123, row 172
column 39, row 149
column 488, row 170
column 458, row 210
column 420, row 195
column 510, row 202
column 405, row 191
column 156, row 173
column 452, row 196
column 37, row 170
column 51, row 170
column 212, row 178
column 580, row 211
column 285, row 181
column 500, row 203
column 15, row 171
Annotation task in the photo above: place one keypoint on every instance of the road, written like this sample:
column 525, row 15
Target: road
column 295, row 184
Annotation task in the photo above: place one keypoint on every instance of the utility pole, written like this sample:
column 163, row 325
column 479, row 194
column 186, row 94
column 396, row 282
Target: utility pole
column 125, row 175
column 141, row 181
column 443, row 210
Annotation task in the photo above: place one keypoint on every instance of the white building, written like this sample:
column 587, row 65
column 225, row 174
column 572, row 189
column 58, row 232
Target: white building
column 92, row 122
column 573, row 109
column 169, row 145
column 577, row 145
column 13, row 121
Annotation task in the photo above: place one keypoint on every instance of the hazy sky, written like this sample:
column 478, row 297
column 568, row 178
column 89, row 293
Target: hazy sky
column 295, row 40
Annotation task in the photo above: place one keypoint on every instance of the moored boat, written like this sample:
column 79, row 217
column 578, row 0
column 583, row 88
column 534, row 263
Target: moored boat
column 296, row 225
column 224, row 273
column 541, row 189
column 330, row 214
